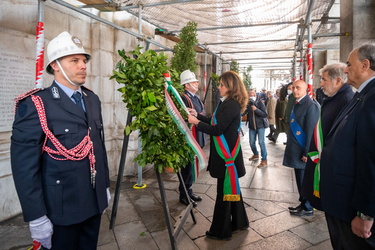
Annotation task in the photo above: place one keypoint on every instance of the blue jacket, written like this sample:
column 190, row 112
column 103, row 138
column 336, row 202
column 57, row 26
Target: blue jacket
column 306, row 114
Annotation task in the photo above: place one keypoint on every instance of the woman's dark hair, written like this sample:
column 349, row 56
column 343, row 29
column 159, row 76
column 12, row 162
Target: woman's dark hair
column 284, row 91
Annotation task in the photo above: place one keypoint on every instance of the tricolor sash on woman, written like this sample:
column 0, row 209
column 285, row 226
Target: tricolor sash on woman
column 232, row 190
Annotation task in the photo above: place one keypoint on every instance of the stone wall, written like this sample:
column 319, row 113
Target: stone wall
column 17, row 74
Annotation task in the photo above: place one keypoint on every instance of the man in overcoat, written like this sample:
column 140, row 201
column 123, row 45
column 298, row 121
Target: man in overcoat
column 347, row 181
column 191, row 100
column 338, row 94
column 58, row 155
column 303, row 118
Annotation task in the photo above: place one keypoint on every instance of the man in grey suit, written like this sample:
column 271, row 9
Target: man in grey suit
column 303, row 118
column 347, row 179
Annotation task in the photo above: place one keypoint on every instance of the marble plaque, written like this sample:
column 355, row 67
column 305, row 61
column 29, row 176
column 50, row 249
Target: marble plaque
column 17, row 73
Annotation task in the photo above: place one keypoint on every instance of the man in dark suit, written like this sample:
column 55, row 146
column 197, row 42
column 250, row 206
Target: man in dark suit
column 58, row 155
column 303, row 119
column 337, row 95
column 191, row 100
column 347, row 181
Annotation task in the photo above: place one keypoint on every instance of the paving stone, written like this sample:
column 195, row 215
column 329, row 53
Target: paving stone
column 277, row 223
column 283, row 240
column 134, row 235
column 314, row 232
column 266, row 207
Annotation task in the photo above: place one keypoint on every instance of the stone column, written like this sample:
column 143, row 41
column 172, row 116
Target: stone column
column 357, row 19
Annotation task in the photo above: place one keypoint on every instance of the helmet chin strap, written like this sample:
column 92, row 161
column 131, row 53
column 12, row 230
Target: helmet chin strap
column 66, row 77
column 191, row 85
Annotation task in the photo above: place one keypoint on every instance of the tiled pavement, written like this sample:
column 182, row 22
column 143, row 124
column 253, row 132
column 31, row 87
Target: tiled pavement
column 140, row 222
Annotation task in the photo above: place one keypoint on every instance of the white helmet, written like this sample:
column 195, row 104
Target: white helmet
column 187, row 77
column 64, row 45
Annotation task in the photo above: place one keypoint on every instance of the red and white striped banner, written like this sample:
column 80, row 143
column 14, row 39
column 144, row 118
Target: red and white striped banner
column 310, row 69
column 39, row 55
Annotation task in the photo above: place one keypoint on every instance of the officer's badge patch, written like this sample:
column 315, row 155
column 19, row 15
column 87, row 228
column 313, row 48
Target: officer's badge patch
column 55, row 93
column 77, row 41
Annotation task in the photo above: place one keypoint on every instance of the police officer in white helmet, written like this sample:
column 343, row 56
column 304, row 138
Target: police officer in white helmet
column 191, row 100
column 58, row 154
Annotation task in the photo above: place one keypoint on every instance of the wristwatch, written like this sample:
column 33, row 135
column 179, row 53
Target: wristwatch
column 364, row 217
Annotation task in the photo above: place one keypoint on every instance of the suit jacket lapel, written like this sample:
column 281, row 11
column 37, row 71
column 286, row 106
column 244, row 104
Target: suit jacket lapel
column 67, row 104
column 351, row 105
column 88, row 104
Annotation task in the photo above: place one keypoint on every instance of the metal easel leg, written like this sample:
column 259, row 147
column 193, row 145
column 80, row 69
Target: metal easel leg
column 120, row 174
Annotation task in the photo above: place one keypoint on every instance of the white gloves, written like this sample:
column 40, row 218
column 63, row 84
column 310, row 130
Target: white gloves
column 108, row 195
column 41, row 230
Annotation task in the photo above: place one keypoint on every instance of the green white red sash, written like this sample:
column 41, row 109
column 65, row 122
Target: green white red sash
column 199, row 161
column 231, row 184
column 315, row 156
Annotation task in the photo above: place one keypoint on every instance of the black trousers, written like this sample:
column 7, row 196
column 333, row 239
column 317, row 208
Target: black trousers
column 272, row 130
column 187, row 177
column 79, row 236
column 228, row 216
column 343, row 238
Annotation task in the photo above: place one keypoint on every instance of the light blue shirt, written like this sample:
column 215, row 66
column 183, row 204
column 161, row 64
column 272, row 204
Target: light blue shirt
column 69, row 92
column 365, row 84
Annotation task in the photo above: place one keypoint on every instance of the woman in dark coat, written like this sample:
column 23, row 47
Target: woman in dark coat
column 224, row 127
column 281, row 124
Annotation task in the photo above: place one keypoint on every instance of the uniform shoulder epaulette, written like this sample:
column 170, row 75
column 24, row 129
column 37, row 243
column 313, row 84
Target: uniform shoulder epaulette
column 26, row 94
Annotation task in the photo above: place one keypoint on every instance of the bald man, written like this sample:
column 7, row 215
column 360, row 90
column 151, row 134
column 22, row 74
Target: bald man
column 304, row 116
column 347, row 178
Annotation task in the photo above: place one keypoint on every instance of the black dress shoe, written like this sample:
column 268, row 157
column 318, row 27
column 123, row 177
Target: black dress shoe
column 185, row 201
column 214, row 237
column 195, row 197
column 302, row 212
column 295, row 208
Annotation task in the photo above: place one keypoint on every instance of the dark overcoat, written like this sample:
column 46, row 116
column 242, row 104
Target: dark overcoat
column 281, row 125
column 193, row 101
column 331, row 107
column 347, row 181
column 228, row 116
column 307, row 114
column 60, row 189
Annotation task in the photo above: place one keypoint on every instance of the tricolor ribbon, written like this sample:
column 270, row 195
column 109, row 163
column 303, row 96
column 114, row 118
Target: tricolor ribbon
column 231, row 184
column 315, row 156
column 200, row 157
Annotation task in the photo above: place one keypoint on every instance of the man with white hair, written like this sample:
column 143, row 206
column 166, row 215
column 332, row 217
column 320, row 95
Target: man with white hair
column 338, row 93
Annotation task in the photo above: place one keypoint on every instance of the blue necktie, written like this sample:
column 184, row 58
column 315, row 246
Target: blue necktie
column 78, row 99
